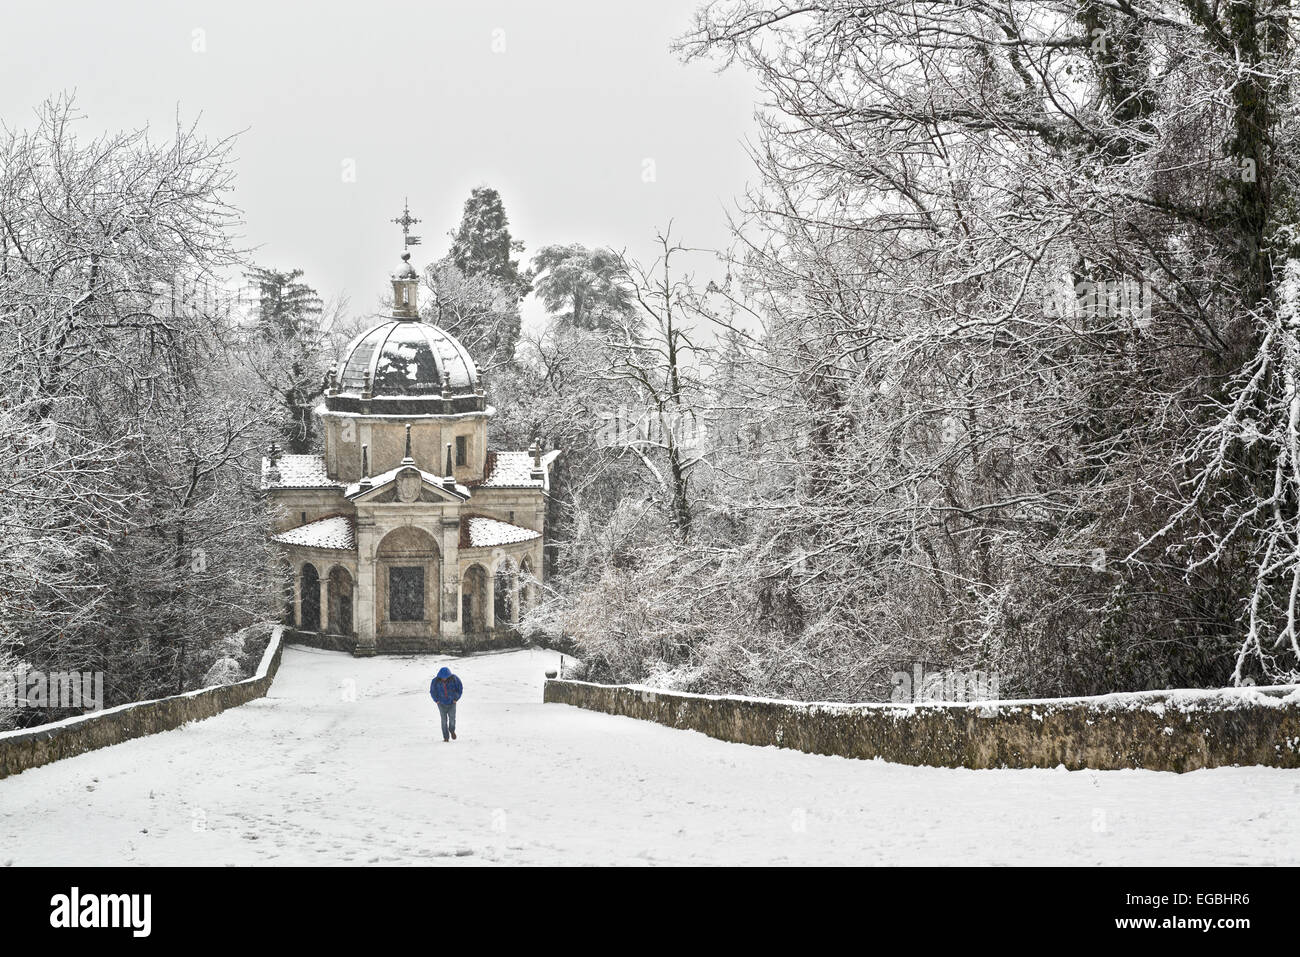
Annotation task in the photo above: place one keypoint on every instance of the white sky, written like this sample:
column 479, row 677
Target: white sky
column 561, row 122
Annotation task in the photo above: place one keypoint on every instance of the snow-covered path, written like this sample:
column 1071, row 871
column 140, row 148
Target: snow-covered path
column 307, row 777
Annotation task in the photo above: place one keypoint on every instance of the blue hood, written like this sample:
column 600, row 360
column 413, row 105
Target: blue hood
column 446, row 689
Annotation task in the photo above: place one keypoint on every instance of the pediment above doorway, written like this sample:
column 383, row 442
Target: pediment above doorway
column 406, row 484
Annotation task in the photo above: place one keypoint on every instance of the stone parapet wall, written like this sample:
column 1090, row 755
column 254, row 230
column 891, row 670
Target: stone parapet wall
column 326, row 642
column 32, row 747
column 501, row 639
column 1159, row 730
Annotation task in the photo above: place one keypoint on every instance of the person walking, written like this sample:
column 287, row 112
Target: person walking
column 446, row 690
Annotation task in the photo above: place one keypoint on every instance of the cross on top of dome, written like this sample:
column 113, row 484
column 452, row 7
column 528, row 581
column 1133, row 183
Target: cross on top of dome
column 406, row 279
column 406, row 221
column 402, row 365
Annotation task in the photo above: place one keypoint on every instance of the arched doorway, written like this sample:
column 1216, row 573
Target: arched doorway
column 503, row 593
column 309, row 595
column 406, row 583
column 474, row 600
column 340, row 599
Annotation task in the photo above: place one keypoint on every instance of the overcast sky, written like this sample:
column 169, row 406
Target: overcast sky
column 559, row 105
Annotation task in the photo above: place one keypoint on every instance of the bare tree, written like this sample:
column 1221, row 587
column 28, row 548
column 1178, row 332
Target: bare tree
column 123, row 534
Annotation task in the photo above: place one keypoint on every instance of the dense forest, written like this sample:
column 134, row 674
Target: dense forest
column 1004, row 364
column 999, row 373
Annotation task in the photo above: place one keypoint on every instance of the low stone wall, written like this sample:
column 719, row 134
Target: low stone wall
column 461, row 645
column 31, row 747
column 314, row 639
column 1157, row 730
column 471, row 644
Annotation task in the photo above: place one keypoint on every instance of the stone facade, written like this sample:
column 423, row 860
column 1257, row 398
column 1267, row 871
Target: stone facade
column 410, row 533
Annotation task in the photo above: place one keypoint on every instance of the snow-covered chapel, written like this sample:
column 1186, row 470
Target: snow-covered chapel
column 409, row 533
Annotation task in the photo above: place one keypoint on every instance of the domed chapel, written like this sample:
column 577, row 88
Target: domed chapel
column 409, row 533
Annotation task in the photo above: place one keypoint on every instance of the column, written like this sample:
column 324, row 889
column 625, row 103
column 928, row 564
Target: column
column 296, row 573
column 363, row 591
column 449, row 600
column 324, row 603
column 514, row 605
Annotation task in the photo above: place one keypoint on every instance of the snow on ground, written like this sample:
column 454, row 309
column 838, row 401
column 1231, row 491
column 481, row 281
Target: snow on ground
column 306, row 776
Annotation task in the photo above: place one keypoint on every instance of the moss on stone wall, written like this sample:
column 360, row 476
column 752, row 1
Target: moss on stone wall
column 1161, row 731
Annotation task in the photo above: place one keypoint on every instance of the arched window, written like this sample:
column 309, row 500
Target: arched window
column 503, row 593
column 340, row 597
column 474, row 600
column 527, row 587
column 310, row 598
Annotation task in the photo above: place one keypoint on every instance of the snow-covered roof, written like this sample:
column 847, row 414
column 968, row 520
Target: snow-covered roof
column 334, row 532
column 298, row 471
column 514, row 470
column 477, row 531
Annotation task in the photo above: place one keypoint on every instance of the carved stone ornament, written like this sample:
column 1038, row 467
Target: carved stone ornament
column 408, row 486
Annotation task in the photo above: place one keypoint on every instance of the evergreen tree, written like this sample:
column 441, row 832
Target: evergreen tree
column 584, row 288
column 291, row 351
column 285, row 305
column 482, row 245
column 475, row 289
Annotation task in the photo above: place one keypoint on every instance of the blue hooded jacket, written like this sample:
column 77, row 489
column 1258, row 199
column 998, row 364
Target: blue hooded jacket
column 445, row 688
